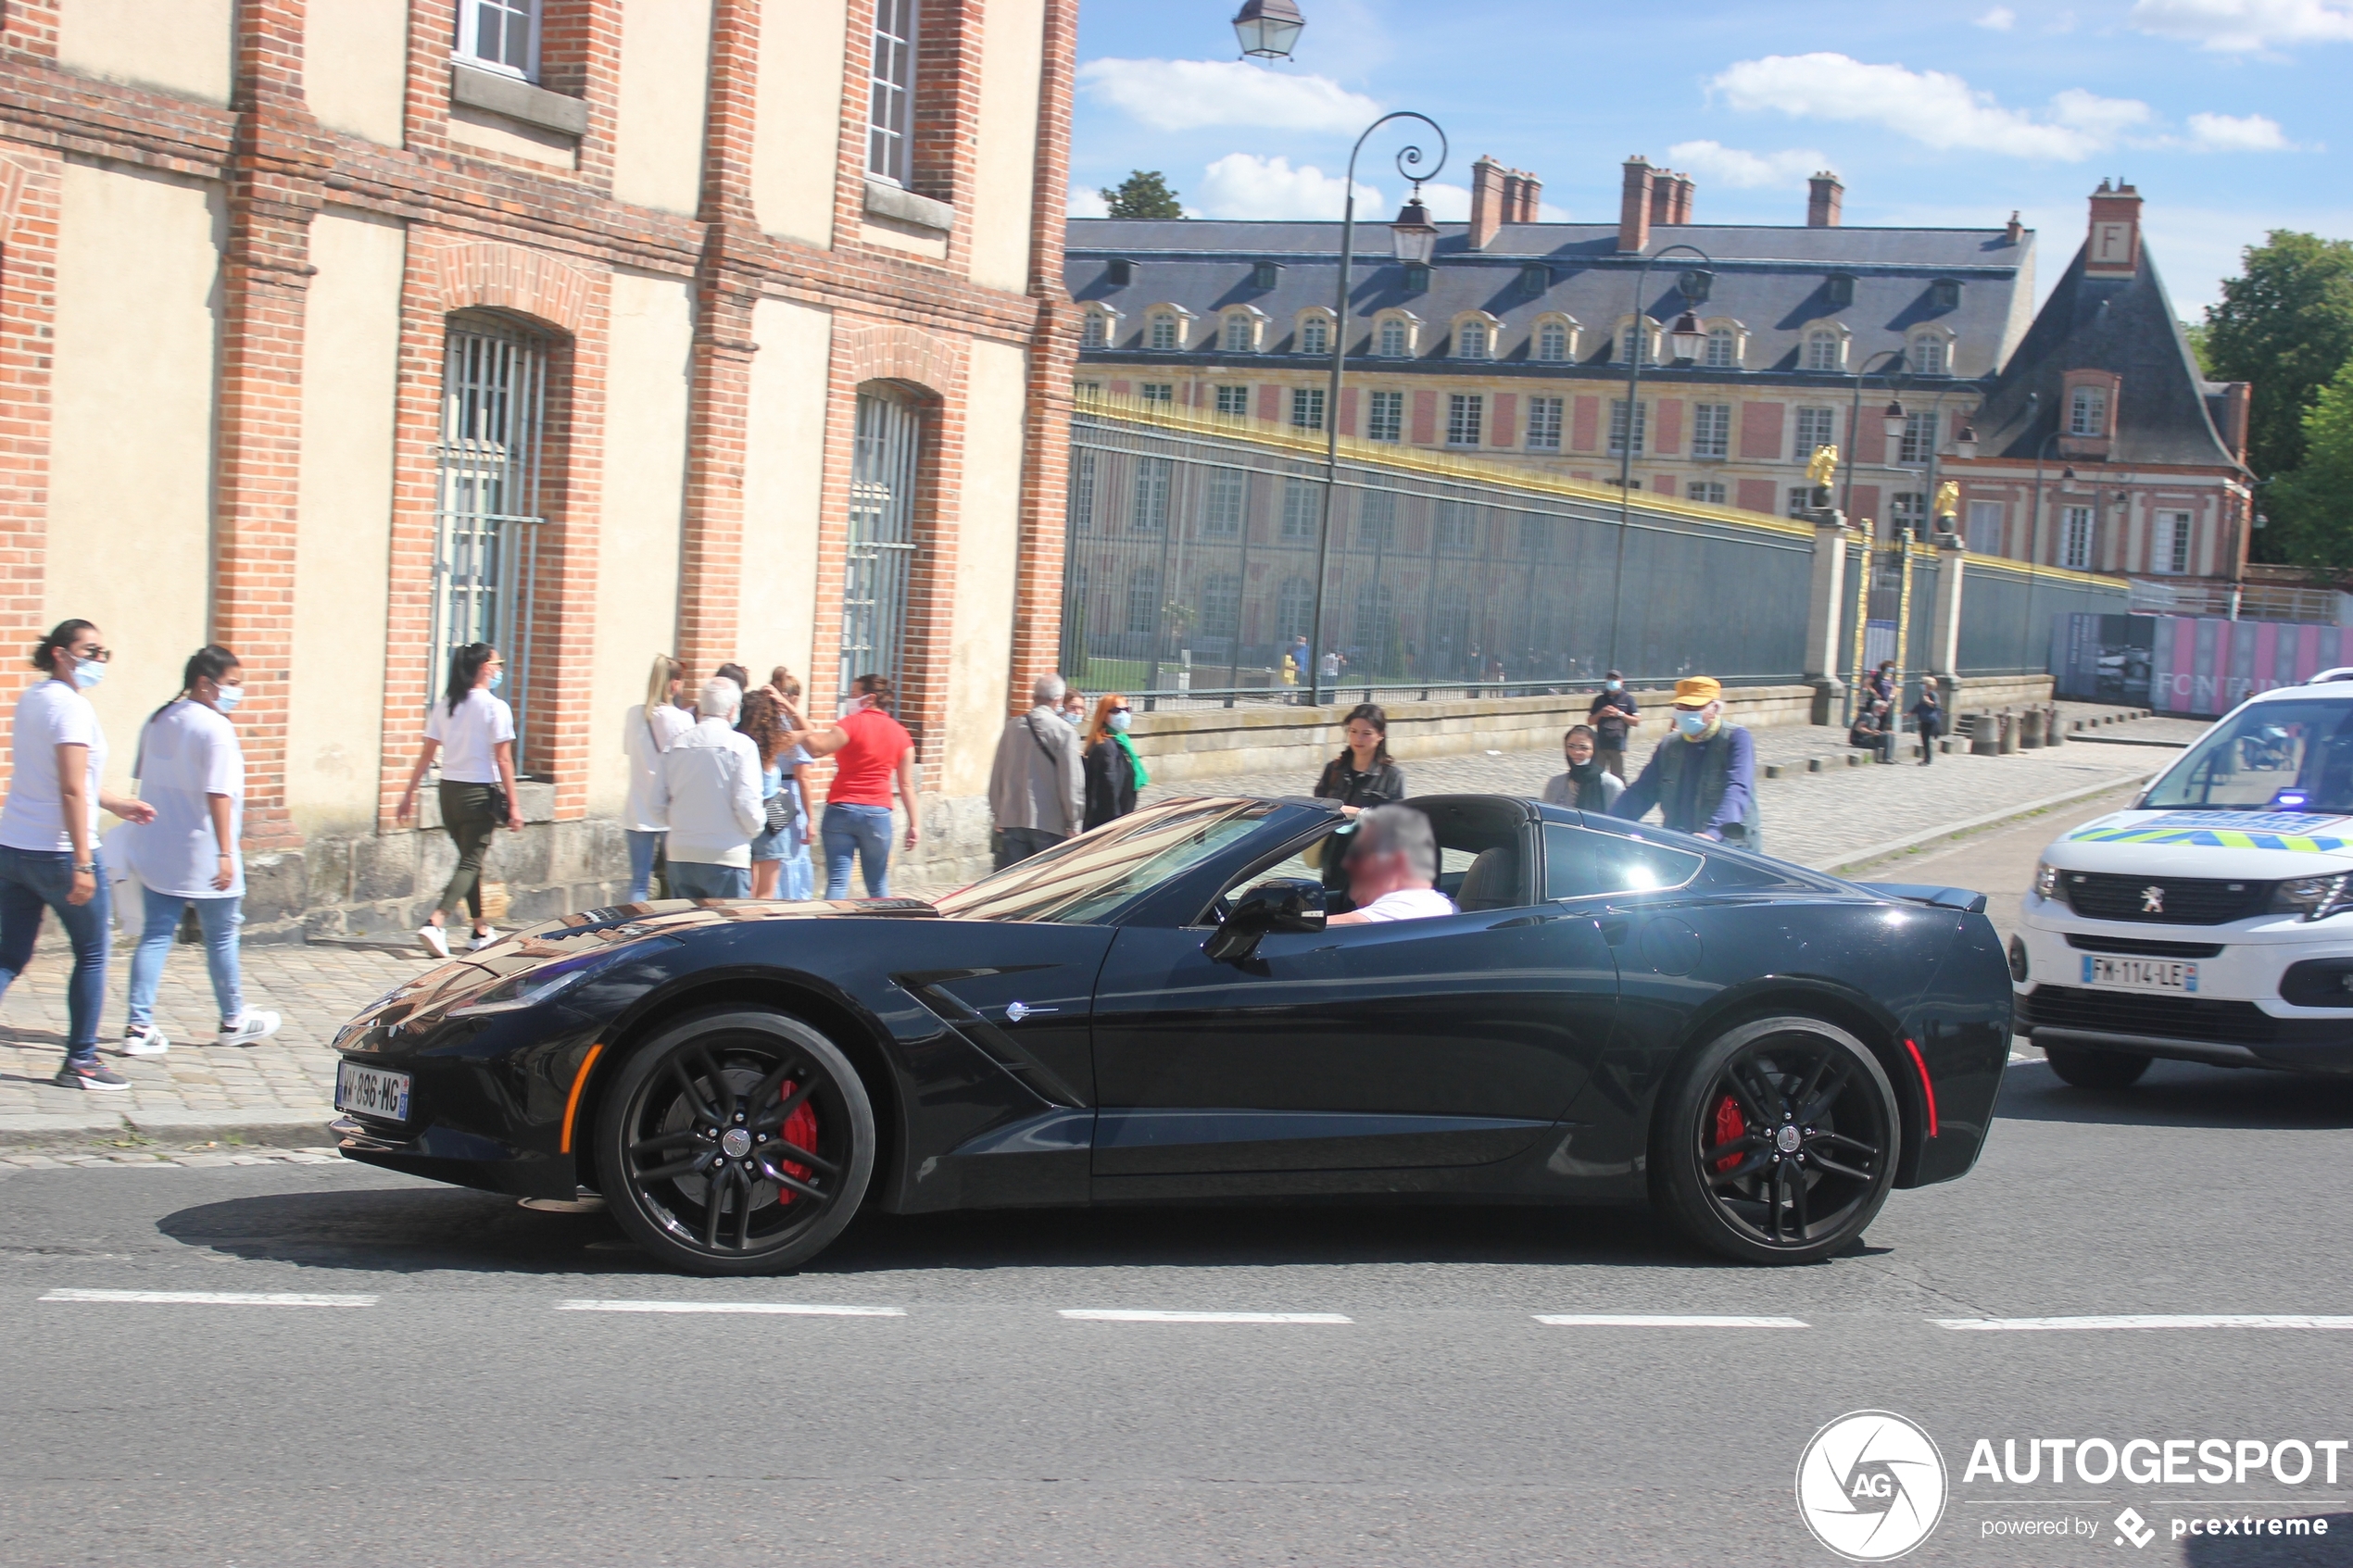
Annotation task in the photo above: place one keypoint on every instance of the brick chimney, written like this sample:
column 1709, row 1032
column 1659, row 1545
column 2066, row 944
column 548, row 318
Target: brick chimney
column 2014, row 231
column 1685, row 186
column 2114, row 248
column 1634, row 206
column 1824, row 196
column 1531, row 189
column 1488, row 202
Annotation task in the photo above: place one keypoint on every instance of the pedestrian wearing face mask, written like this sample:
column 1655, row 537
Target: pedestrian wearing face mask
column 1037, row 787
column 1113, row 771
column 1075, row 710
column 1614, row 717
column 193, row 772
column 1703, row 777
column 1587, row 786
column 49, row 857
column 473, row 730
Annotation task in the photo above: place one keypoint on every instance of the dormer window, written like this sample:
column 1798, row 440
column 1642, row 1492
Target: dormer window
column 1416, row 279
column 1931, row 355
column 1096, row 334
column 1239, row 334
column 1535, row 278
column 1266, row 274
column 1825, row 349
column 1119, row 274
column 1638, row 333
column 1552, row 342
column 1944, row 293
column 1471, row 341
column 1393, row 337
column 2087, row 412
column 1723, row 351
column 1315, row 334
column 1162, row 333
column 1838, row 290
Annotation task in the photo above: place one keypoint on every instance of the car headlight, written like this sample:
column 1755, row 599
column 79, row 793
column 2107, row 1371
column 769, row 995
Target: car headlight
column 544, row 984
column 2046, row 879
column 2314, row 898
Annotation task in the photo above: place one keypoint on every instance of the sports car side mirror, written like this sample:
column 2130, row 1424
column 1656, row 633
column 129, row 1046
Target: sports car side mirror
column 1271, row 905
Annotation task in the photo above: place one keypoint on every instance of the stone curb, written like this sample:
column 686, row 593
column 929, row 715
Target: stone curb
column 254, row 1128
column 1841, row 865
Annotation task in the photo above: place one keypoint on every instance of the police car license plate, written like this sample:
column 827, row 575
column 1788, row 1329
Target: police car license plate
column 371, row 1091
column 2139, row 974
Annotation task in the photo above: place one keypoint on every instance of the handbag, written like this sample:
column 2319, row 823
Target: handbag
column 780, row 811
column 500, row 808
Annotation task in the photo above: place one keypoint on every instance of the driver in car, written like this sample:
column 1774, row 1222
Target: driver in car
column 1393, row 869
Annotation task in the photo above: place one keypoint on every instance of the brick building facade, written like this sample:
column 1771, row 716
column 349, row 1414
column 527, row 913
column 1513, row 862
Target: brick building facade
column 344, row 330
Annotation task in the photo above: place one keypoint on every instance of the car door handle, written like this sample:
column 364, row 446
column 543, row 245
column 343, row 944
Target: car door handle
column 1614, row 930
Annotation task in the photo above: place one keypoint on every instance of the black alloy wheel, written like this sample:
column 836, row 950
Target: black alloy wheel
column 1777, row 1142
column 2088, row 1067
column 738, row 1141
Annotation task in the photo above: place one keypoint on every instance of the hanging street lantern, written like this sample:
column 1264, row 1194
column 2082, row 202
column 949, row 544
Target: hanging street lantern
column 1893, row 417
column 1267, row 28
column 1413, row 234
column 1689, row 339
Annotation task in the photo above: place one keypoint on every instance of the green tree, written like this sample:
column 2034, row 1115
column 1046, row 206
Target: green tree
column 2195, row 333
column 2286, row 325
column 2312, row 508
column 1144, row 194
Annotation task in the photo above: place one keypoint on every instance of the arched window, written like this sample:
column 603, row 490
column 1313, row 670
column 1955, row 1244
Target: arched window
column 1552, row 342
column 1638, row 336
column 1242, row 333
column 1931, row 355
column 1471, row 341
column 2087, row 412
column 1723, row 349
column 1315, row 335
column 1164, row 333
column 493, row 377
column 1096, row 331
column 1825, row 350
column 884, row 464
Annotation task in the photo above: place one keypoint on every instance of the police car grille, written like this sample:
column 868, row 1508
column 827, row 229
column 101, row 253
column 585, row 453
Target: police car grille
column 2182, row 900
column 2164, row 1018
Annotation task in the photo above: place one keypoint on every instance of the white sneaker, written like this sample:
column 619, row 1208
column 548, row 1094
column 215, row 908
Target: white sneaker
column 436, row 940
column 249, row 1029
column 483, row 939
column 143, row 1040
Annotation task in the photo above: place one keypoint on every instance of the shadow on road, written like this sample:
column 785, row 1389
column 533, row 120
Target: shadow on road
column 2183, row 1094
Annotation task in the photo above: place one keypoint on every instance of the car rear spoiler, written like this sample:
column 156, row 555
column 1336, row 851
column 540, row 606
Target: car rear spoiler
column 1923, row 893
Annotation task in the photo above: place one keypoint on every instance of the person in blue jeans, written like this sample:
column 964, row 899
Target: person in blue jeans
column 871, row 750
column 49, row 837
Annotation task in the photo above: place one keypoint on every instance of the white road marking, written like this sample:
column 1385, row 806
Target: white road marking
column 1662, row 1320
column 766, row 1309
column 213, row 1298
column 2180, row 1320
column 1089, row 1314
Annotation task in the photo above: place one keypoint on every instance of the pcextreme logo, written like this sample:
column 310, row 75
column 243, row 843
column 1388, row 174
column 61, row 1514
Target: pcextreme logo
column 1870, row 1486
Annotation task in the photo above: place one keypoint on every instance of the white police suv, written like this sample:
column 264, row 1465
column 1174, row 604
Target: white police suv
column 2213, row 921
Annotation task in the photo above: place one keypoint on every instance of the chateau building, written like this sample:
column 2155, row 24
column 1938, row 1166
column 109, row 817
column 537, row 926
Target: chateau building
column 348, row 332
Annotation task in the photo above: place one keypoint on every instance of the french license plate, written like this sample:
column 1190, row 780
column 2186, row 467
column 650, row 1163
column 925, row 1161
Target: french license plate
column 2139, row 974
column 371, row 1091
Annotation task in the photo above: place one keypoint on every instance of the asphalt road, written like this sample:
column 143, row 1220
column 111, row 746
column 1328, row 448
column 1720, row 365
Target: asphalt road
column 454, row 1406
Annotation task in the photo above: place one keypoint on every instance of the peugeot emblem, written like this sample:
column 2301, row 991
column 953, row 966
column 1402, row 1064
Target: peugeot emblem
column 2152, row 900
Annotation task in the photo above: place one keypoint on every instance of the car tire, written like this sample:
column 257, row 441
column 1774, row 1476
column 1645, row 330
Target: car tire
column 1777, row 1141
column 688, row 1135
column 2088, row 1067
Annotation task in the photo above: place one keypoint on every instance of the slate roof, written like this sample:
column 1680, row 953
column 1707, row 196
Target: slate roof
column 1773, row 280
column 2166, row 409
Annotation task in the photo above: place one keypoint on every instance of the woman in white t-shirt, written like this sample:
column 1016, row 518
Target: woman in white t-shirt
column 474, row 733
column 193, row 772
column 645, row 733
column 49, row 855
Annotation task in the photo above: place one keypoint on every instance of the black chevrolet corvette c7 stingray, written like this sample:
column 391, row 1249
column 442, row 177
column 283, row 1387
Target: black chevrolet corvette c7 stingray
column 1157, row 1011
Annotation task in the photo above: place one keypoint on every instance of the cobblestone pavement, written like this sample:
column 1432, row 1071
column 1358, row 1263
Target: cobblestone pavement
column 186, row 1104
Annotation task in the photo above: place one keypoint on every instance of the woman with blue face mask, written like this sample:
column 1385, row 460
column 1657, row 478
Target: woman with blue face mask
column 473, row 732
column 1113, row 771
column 49, row 837
column 193, row 772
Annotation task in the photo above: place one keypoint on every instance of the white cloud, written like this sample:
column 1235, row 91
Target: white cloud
column 1246, row 186
column 1189, row 94
column 2238, row 133
column 2001, row 19
column 1087, row 203
column 1447, row 204
column 1744, row 171
column 1935, row 108
column 2243, row 25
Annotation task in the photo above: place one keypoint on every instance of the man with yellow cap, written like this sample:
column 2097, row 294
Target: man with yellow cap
column 1703, row 777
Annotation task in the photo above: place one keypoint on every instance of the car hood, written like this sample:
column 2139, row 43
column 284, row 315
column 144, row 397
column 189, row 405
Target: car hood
column 2259, row 846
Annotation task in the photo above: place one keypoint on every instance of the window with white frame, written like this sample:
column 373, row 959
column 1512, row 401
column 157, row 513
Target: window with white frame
column 1471, row 340
column 1164, row 332
column 1307, row 406
column 2087, row 412
column 1234, row 401
column 890, row 105
column 1158, row 392
column 1711, row 430
column 1242, row 333
column 1920, row 436
column 502, row 36
column 1552, row 342
column 1985, row 527
column 2171, row 553
column 1617, row 426
column 2075, row 538
column 1825, row 350
column 1723, row 349
column 1302, row 498
column 1153, row 477
column 1466, row 411
column 1711, row 491
column 1816, row 427
column 1386, row 421
column 1097, row 333
column 1929, row 354
column 1396, row 338
column 1637, row 336
column 1315, row 335
column 1907, row 508
column 1544, row 424
column 1221, row 505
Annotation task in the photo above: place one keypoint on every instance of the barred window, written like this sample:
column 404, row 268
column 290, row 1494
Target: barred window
column 1301, row 503
column 1552, row 342
column 1387, row 420
column 502, row 36
column 1708, row 490
column 1816, row 427
column 890, row 105
column 1544, row 424
column 487, row 519
column 1315, row 335
column 1711, row 430
column 1221, row 511
column 1723, row 349
column 1234, row 400
column 1307, row 408
column 1617, row 426
column 1396, row 341
column 1464, row 413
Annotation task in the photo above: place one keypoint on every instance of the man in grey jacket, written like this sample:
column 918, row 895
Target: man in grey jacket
column 1036, row 791
column 708, row 790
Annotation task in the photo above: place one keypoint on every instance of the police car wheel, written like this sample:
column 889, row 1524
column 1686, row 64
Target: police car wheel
column 2087, row 1067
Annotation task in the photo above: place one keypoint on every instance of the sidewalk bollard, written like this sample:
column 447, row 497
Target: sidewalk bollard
column 1984, row 734
column 2009, row 733
column 2054, row 727
column 2030, row 731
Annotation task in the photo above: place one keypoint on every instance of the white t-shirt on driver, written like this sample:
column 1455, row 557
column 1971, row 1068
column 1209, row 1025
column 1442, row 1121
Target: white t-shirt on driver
column 50, row 714
column 1408, row 903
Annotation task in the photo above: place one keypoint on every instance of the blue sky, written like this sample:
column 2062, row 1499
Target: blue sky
column 2229, row 115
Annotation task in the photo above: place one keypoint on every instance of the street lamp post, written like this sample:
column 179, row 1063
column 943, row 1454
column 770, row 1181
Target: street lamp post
column 1412, row 236
column 1689, row 339
column 1854, row 420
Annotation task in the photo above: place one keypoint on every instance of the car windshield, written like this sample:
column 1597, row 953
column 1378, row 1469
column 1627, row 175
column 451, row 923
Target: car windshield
column 2288, row 755
column 1083, row 880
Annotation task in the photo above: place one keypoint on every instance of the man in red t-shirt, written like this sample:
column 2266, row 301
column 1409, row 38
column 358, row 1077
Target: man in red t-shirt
column 870, row 749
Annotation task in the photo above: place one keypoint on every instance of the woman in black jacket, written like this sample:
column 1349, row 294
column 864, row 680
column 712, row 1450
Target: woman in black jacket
column 1113, row 769
column 1363, row 776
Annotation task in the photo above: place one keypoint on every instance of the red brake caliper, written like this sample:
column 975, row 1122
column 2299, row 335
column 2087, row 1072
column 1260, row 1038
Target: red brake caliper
column 1730, row 1125
column 800, row 1131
